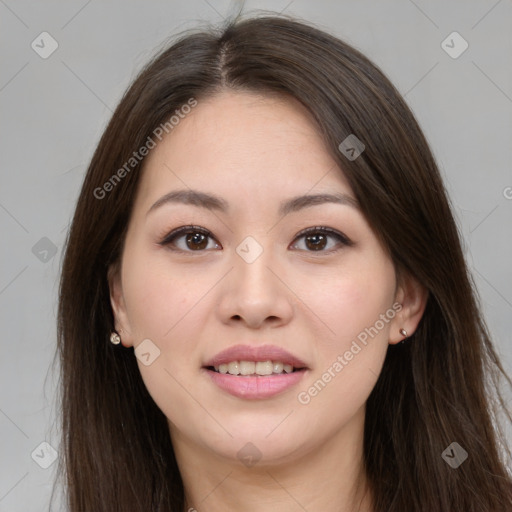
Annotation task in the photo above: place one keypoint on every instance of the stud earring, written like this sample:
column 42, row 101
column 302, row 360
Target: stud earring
column 403, row 332
column 115, row 339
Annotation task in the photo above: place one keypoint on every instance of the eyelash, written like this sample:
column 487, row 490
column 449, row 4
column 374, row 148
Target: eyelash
column 171, row 237
column 342, row 239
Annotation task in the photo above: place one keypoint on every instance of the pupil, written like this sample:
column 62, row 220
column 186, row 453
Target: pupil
column 316, row 242
column 196, row 241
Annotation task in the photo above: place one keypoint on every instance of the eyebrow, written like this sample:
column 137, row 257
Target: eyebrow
column 298, row 203
column 213, row 202
column 192, row 197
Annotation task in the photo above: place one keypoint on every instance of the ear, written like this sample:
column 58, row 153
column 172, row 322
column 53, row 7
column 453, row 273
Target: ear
column 122, row 325
column 413, row 298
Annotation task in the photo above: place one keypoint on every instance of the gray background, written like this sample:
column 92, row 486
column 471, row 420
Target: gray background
column 55, row 109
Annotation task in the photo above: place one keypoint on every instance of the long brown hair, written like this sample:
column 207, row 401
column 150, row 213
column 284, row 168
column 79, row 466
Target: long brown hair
column 441, row 386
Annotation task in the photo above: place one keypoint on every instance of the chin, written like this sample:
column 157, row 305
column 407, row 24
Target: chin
column 254, row 445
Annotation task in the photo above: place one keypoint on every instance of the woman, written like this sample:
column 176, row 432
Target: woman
column 264, row 302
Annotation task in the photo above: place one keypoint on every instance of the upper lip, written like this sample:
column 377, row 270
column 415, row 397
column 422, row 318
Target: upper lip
column 259, row 353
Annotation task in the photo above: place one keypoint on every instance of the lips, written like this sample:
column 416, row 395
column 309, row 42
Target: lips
column 255, row 354
column 255, row 387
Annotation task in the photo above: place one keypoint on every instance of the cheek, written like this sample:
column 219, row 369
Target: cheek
column 165, row 306
column 158, row 300
column 353, row 312
column 352, row 300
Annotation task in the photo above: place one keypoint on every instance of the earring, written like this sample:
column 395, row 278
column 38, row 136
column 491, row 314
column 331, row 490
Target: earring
column 403, row 332
column 115, row 339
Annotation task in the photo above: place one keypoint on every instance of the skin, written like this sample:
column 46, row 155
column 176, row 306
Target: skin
column 254, row 152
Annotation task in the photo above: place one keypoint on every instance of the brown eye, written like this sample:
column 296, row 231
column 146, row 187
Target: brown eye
column 320, row 239
column 190, row 239
column 196, row 241
column 316, row 242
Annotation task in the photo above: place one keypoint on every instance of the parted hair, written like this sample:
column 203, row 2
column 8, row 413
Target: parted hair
column 442, row 386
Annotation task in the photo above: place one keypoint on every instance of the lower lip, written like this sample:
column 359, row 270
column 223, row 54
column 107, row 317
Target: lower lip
column 257, row 387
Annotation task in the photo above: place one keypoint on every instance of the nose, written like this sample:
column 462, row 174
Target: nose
column 255, row 294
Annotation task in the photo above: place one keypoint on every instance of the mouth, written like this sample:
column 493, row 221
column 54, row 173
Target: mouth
column 255, row 372
column 255, row 368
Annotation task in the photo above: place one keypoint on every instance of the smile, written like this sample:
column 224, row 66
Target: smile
column 260, row 368
column 253, row 386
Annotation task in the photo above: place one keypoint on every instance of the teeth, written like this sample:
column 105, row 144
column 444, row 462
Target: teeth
column 254, row 368
column 234, row 368
column 265, row 368
column 278, row 367
column 247, row 367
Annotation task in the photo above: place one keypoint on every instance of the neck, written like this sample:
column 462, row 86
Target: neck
column 330, row 477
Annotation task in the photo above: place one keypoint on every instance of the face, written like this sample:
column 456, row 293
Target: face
column 273, row 270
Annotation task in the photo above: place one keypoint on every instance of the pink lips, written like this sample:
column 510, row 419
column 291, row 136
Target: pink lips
column 255, row 387
column 261, row 353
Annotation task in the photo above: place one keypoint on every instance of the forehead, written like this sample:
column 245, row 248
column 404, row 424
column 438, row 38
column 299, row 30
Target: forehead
column 234, row 142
